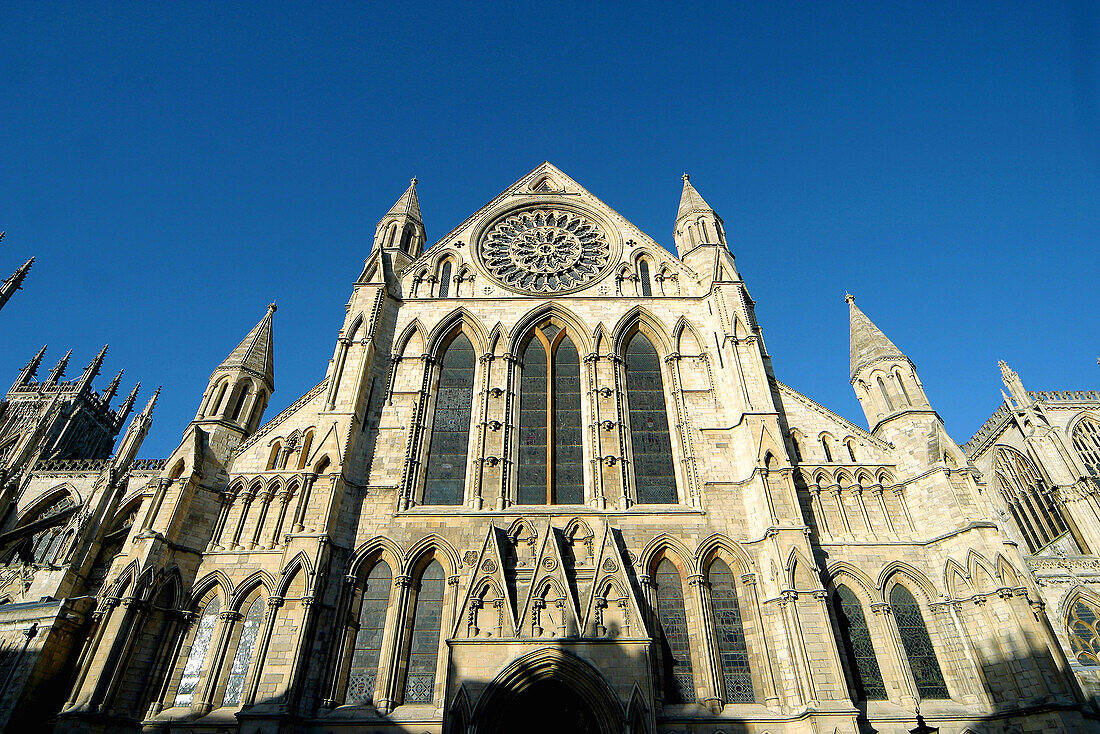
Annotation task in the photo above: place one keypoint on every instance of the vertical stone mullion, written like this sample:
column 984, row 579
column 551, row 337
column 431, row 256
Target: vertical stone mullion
column 713, row 693
column 235, row 539
column 683, row 431
column 340, row 660
column 772, row 698
column 308, row 478
column 477, row 457
column 903, row 675
column 389, row 667
column 508, row 430
column 102, row 619
column 203, row 702
column 161, row 675
column 284, row 502
column 265, row 504
column 591, row 363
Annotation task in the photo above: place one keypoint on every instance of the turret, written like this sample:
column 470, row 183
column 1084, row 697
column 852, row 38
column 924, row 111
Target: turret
column 696, row 223
column 885, row 380
column 15, row 282
column 402, row 229
column 240, row 387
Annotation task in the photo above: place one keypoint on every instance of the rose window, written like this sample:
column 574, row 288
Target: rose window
column 544, row 250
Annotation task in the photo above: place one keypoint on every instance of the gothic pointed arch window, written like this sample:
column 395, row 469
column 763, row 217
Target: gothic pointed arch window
column 858, row 650
column 551, row 463
column 885, row 395
column 675, row 657
column 423, row 645
column 246, row 650
column 43, row 546
column 1084, row 632
column 730, row 633
column 445, row 477
column 917, row 644
column 445, row 280
column 238, row 405
column 651, row 445
column 1028, row 498
column 368, row 640
column 1086, row 439
column 901, row 387
column 827, row 447
column 195, row 666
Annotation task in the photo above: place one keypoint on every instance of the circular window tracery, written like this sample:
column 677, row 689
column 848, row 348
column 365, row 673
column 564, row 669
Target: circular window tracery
column 544, row 250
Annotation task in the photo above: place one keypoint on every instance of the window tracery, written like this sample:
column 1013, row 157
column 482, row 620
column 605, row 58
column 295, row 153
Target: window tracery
column 676, row 646
column 651, row 445
column 551, row 464
column 1028, row 498
column 1086, row 439
column 1084, row 633
column 445, row 480
column 858, row 648
column 917, row 644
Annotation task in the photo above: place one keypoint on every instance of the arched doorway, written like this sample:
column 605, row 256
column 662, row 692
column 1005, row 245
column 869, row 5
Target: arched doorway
column 547, row 707
column 549, row 690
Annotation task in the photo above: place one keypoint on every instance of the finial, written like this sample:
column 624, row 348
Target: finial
column 685, row 177
column 414, row 181
column 2, row 235
column 848, row 297
column 272, row 308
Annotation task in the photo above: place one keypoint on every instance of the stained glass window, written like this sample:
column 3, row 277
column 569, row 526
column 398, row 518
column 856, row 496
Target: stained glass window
column 532, row 426
column 675, row 648
column 250, row 630
column 445, row 280
column 551, row 464
column 654, row 474
column 196, row 659
column 732, row 651
column 424, row 645
column 917, row 644
column 643, row 276
column 858, row 649
column 446, row 475
column 368, row 641
column 1086, row 439
column 1084, row 637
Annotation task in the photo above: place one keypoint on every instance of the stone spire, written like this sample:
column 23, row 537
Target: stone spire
column 112, row 388
column 402, row 229
column 1014, row 384
column 93, row 368
column 127, row 404
column 15, row 282
column 256, row 352
column 696, row 222
column 135, row 434
column 868, row 343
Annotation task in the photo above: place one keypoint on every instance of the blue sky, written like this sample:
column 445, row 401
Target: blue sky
column 175, row 166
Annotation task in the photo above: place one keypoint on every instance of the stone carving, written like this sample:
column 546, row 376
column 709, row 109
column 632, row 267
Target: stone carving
column 544, row 251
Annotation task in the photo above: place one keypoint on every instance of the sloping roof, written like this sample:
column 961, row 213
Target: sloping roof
column 256, row 352
column 691, row 201
column 408, row 204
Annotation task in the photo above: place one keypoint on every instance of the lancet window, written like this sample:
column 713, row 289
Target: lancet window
column 1084, row 632
column 445, row 280
column 917, row 644
column 445, row 480
column 551, row 464
column 676, row 647
column 45, row 545
column 645, row 285
column 651, row 447
column 246, row 648
column 368, row 640
column 424, row 639
column 200, row 649
column 857, row 647
column 1028, row 499
column 1086, row 439
column 732, row 652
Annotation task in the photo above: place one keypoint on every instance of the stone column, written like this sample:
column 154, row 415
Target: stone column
column 343, row 644
column 386, row 693
column 202, row 703
column 101, row 619
column 179, row 625
column 771, row 693
column 227, row 499
column 714, row 692
column 308, row 478
column 246, row 502
column 265, row 503
column 284, row 501
column 259, row 656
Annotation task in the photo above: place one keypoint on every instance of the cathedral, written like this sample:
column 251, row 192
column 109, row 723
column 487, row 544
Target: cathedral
column 548, row 481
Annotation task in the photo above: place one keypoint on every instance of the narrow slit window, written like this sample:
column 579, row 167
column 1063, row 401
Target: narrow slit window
column 643, row 276
column 445, row 481
column 445, row 280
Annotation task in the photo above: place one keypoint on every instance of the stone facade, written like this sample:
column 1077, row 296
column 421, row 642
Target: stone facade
column 550, row 481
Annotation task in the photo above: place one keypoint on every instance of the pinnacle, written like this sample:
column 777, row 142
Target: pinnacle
column 868, row 343
column 408, row 205
column 255, row 353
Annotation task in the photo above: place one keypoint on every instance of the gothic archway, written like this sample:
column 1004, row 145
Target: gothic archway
column 548, row 690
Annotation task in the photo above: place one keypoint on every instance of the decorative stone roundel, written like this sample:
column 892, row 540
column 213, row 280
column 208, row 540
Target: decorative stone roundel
column 544, row 250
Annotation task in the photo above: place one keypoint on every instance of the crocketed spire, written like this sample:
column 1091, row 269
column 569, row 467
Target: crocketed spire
column 15, row 282
column 868, row 343
column 256, row 352
column 408, row 205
